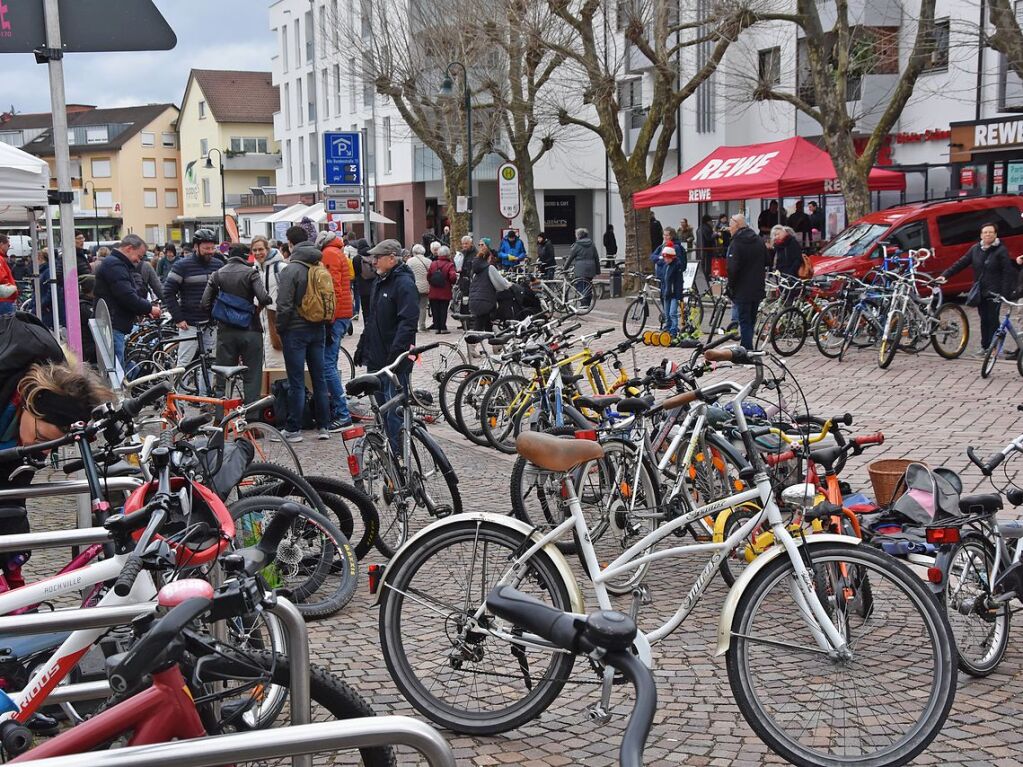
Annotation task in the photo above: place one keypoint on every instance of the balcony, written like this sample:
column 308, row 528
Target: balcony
column 252, row 161
column 257, row 200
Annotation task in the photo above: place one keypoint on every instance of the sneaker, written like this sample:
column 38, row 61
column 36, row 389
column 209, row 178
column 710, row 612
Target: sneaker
column 323, row 434
column 292, row 436
column 339, row 425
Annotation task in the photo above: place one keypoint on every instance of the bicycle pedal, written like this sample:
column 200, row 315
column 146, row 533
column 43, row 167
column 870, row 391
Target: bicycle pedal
column 598, row 714
column 442, row 511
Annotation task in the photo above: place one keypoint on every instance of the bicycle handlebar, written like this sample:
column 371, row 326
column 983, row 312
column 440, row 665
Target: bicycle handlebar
column 736, row 354
column 986, row 467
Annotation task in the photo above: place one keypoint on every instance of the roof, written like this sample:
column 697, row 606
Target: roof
column 788, row 168
column 136, row 118
column 237, row 97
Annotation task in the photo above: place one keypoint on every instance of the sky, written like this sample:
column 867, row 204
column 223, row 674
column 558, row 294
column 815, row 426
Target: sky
column 212, row 34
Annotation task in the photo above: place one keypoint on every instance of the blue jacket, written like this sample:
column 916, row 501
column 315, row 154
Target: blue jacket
column 115, row 284
column 393, row 318
column 184, row 286
column 672, row 277
column 511, row 254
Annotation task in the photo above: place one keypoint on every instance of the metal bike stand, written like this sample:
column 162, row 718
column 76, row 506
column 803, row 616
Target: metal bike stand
column 69, row 487
column 306, row 740
column 298, row 655
column 55, row 539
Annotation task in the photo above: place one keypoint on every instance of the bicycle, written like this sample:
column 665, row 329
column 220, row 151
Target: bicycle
column 436, row 587
column 561, row 297
column 638, row 311
column 399, row 479
column 1005, row 328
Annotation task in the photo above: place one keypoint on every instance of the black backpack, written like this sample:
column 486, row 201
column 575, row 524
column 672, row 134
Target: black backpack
column 280, row 390
column 24, row 340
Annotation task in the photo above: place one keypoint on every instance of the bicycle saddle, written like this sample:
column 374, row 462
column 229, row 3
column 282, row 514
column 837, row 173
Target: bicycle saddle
column 635, row 405
column 570, row 378
column 364, row 385
column 555, row 454
column 596, row 404
column 984, row 503
column 228, row 371
column 475, row 338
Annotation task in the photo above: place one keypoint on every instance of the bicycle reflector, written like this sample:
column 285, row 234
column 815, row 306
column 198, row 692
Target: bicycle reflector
column 934, row 575
column 353, row 465
column 353, row 433
column 375, row 572
column 589, row 434
column 940, row 535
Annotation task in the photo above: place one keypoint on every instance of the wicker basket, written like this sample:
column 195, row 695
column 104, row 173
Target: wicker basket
column 885, row 476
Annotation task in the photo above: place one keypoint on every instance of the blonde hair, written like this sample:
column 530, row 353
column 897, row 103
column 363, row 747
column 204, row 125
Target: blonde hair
column 262, row 239
column 77, row 390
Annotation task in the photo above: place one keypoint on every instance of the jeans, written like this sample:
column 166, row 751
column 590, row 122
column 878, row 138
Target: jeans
column 585, row 288
column 335, row 386
column 439, row 310
column 670, row 306
column 747, row 317
column 304, row 346
column 393, row 420
column 989, row 320
column 9, row 307
column 119, row 338
column 236, row 346
column 424, row 306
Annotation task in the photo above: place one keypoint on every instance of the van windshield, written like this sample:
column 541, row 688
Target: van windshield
column 855, row 240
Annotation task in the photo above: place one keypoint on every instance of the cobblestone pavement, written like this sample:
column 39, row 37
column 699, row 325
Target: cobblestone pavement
column 928, row 408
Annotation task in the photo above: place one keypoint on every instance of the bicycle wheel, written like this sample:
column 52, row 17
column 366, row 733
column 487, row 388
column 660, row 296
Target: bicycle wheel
column 448, row 387
column 345, row 364
column 432, row 480
column 461, row 673
column 690, row 312
column 577, row 301
column 952, row 332
column 502, row 409
column 891, row 339
column 980, row 629
column 788, row 332
column 377, row 479
column 271, row 447
column 636, row 315
column 193, row 382
column 468, row 400
column 870, row 325
column 271, row 479
column 874, row 707
column 429, row 371
column 340, row 497
column 991, row 355
column 306, row 558
column 536, row 496
column 331, row 699
column 828, row 328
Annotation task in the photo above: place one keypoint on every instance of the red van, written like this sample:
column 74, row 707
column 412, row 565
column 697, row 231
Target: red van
column 948, row 227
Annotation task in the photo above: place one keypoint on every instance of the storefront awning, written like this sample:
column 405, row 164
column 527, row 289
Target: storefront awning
column 777, row 169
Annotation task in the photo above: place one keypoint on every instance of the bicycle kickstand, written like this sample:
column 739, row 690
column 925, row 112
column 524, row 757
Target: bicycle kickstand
column 600, row 712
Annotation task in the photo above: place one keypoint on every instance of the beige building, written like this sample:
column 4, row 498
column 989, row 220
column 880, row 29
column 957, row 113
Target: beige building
column 125, row 167
column 226, row 131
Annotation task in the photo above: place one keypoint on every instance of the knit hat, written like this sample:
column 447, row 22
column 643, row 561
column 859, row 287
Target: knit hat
column 667, row 250
column 323, row 239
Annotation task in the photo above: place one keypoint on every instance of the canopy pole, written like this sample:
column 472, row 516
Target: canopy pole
column 52, row 263
column 33, row 235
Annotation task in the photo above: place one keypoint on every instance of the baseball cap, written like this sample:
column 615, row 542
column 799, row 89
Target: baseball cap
column 386, row 248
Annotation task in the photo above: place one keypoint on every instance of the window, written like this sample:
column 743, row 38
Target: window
column 706, row 94
column 939, row 52
column 630, row 99
column 170, row 198
column 314, row 166
column 301, row 159
column 104, row 198
column 367, row 84
column 769, row 66
column 325, row 80
column 71, row 136
column 300, row 102
column 625, row 10
column 149, row 169
column 248, row 144
column 911, row 236
column 337, row 89
column 148, row 139
column 308, row 36
column 149, row 198
column 963, row 228
column 204, row 147
column 335, row 23
column 262, row 181
column 387, row 145
column 101, row 168
column 76, row 168
column 287, row 162
column 284, row 48
column 351, row 89
column 153, row 233
column 311, row 95
column 169, row 139
column 206, row 191
column 366, row 14
column 202, row 110
column 287, row 106
column 298, row 45
column 170, row 168
column 96, row 135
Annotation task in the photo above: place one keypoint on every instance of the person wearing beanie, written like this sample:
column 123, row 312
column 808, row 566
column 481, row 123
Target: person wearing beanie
column 671, row 274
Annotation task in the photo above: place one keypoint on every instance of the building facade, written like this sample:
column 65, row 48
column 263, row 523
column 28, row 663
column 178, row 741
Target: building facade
column 226, row 132
column 125, row 167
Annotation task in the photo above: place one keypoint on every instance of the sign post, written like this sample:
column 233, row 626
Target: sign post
column 344, row 176
column 508, row 199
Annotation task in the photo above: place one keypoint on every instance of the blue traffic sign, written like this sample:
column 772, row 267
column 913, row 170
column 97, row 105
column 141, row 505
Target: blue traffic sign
column 342, row 158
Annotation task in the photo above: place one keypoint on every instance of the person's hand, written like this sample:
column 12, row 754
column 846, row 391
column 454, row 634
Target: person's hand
column 182, row 325
column 155, row 312
column 941, row 279
column 1019, row 260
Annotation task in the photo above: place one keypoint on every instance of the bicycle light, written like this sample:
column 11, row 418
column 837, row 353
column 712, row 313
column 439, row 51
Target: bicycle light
column 940, row 535
column 353, row 433
column 375, row 573
column 353, row 465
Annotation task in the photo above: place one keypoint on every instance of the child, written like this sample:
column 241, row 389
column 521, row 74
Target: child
column 671, row 273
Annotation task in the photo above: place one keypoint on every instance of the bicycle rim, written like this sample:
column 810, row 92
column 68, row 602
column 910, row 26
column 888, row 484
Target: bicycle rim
column 635, row 318
column 377, row 481
column 981, row 632
column 271, row 447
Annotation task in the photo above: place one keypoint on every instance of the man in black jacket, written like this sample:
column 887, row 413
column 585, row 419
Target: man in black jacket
column 545, row 257
column 183, row 290
column 391, row 327
column 747, row 260
column 115, row 284
column 234, row 342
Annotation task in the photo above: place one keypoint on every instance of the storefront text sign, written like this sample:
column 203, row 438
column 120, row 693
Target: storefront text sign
column 968, row 139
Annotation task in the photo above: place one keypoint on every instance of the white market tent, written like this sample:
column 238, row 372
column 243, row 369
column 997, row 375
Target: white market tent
column 292, row 214
column 24, row 180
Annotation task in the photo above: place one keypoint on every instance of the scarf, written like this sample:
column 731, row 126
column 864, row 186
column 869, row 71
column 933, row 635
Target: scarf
column 994, row 244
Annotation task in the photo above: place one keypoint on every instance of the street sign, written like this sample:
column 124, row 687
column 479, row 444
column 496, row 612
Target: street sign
column 342, row 158
column 86, row 26
column 342, row 191
column 343, row 204
column 508, row 199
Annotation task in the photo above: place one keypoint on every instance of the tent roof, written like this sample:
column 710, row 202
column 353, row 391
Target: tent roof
column 776, row 169
column 24, row 180
column 292, row 214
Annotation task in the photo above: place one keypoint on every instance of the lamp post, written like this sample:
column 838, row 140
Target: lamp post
column 95, row 208
column 447, row 88
column 223, row 189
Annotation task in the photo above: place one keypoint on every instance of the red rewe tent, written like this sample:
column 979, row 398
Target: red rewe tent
column 789, row 168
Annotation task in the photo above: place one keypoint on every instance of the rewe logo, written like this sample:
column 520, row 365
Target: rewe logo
column 5, row 23
column 699, row 195
column 735, row 166
column 832, row 185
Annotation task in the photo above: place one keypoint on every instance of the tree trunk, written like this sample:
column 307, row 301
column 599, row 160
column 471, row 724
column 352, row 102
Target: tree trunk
column 454, row 185
column 852, row 172
column 637, row 235
column 530, row 215
column 1007, row 38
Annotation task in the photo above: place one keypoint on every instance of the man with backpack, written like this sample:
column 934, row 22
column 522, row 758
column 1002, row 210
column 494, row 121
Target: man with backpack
column 231, row 297
column 305, row 310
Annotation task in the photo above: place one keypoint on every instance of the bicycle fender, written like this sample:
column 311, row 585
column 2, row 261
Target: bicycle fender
column 445, row 465
column 763, row 560
column 501, row 520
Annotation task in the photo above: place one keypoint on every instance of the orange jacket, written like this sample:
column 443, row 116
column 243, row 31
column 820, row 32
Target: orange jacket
column 341, row 272
column 7, row 278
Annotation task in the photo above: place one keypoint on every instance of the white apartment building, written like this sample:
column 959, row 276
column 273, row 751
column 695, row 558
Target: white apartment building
column 320, row 91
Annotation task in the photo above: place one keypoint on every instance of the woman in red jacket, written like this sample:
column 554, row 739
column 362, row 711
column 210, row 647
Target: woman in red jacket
column 340, row 268
column 441, row 276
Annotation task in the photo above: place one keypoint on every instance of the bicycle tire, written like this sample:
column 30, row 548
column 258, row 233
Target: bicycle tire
column 890, row 340
column 501, row 411
column 440, row 472
column 791, row 323
column 957, row 315
column 346, row 365
column 752, row 693
column 991, row 356
column 636, row 315
column 575, row 300
column 529, row 481
column 347, row 494
column 376, row 482
column 271, row 446
column 272, row 479
column 326, row 589
column 832, row 318
column 960, row 607
column 339, row 699
column 446, row 392
column 468, row 400
column 690, row 313
column 434, row 560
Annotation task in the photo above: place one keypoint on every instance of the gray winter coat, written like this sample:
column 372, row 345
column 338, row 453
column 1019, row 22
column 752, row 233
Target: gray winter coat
column 239, row 279
column 291, row 286
column 583, row 259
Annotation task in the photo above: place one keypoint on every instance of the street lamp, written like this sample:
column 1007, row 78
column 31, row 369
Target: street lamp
column 95, row 208
column 223, row 189
column 447, row 89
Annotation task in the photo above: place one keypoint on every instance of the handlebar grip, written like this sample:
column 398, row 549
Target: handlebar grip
column 126, row 579
column 773, row 459
column 415, row 351
column 846, row 419
column 1014, row 495
column 133, row 406
column 988, row 466
column 869, row 439
column 736, row 354
column 545, row 621
column 11, row 454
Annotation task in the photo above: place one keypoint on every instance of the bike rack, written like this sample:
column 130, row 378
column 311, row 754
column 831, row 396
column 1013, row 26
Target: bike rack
column 69, row 487
column 56, row 539
column 305, row 740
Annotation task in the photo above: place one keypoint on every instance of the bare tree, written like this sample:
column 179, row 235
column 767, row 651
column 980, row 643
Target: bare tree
column 836, row 57
column 657, row 31
column 1007, row 38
